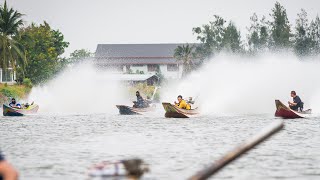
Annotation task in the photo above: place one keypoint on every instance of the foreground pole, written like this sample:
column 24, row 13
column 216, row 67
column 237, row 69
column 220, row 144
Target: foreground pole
column 238, row 151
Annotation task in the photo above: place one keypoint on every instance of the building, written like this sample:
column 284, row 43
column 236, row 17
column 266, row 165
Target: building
column 146, row 59
column 132, row 79
column 7, row 76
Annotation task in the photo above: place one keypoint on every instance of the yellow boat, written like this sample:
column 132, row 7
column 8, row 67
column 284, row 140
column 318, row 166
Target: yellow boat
column 173, row 111
column 9, row 111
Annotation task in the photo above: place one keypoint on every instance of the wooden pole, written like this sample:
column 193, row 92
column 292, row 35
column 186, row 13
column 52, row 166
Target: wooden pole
column 238, row 151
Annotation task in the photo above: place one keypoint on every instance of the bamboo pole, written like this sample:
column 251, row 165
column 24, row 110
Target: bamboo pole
column 238, row 151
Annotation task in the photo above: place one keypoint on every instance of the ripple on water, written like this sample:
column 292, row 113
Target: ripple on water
column 64, row 146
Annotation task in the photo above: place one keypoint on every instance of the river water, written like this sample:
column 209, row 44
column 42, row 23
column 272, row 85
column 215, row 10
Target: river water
column 64, row 146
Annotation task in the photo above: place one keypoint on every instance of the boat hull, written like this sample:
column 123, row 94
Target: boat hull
column 127, row 110
column 9, row 111
column 285, row 112
column 174, row 112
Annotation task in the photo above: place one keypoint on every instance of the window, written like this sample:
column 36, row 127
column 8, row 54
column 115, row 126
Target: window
column 172, row 67
column 7, row 75
column 153, row 67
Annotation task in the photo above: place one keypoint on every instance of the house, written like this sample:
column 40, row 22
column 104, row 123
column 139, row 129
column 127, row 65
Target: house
column 148, row 59
column 7, row 76
column 132, row 79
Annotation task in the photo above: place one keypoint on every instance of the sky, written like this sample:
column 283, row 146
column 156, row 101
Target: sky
column 86, row 23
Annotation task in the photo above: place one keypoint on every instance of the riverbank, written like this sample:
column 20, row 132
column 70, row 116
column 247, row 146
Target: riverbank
column 16, row 91
column 145, row 90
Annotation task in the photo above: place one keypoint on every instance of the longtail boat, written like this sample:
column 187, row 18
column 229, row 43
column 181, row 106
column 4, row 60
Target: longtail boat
column 127, row 110
column 173, row 111
column 9, row 111
column 285, row 112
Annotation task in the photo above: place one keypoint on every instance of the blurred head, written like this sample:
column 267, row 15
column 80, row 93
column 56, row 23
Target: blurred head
column 179, row 98
column 293, row 93
column 13, row 100
column 137, row 93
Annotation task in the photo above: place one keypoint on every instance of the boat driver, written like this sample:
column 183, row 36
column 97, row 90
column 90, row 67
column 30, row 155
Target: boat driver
column 297, row 104
column 140, row 103
column 14, row 104
column 182, row 103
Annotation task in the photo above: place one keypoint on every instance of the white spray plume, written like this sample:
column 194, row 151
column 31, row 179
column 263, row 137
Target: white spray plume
column 80, row 89
column 237, row 85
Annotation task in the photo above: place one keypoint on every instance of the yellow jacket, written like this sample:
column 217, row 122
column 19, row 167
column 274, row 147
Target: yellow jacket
column 183, row 105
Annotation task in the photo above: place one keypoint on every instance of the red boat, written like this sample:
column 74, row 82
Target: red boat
column 285, row 112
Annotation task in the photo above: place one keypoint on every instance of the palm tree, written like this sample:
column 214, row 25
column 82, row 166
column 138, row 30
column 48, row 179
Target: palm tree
column 185, row 53
column 12, row 53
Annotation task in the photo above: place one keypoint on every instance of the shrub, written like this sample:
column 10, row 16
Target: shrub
column 8, row 93
column 27, row 82
column 144, row 89
column 16, row 91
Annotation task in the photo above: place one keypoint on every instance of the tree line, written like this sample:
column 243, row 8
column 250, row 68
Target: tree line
column 35, row 51
column 273, row 35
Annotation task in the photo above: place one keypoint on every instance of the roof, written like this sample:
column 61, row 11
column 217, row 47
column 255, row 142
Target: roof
column 135, row 50
column 140, row 61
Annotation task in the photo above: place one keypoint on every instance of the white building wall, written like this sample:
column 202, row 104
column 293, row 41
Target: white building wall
column 171, row 74
column 143, row 68
column 163, row 69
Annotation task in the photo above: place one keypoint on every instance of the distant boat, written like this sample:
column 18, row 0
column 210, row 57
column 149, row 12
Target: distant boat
column 127, row 110
column 173, row 111
column 9, row 111
column 285, row 112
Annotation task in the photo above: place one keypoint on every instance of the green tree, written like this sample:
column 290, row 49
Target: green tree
column 43, row 52
column 315, row 35
column 258, row 34
column 264, row 34
column 211, row 37
column 231, row 41
column 253, row 36
column 12, row 53
column 280, row 28
column 79, row 55
column 185, row 53
column 303, row 41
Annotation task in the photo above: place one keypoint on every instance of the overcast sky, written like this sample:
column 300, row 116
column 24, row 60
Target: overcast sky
column 86, row 23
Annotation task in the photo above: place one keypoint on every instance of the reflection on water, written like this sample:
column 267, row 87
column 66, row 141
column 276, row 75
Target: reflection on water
column 64, row 146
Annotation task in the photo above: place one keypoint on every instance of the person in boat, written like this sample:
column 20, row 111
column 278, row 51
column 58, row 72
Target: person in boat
column 297, row 104
column 7, row 172
column 14, row 104
column 182, row 103
column 190, row 101
column 140, row 103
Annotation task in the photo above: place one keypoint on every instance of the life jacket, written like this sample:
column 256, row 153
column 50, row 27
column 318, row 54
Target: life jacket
column 188, row 107
column 184, row 105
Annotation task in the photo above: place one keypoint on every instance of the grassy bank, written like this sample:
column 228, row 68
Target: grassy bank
column 16, row 91
column 146, row 91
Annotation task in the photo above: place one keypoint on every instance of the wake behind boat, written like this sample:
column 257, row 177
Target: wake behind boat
column 10, row 111
column 173, row 111
column 285, row 112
